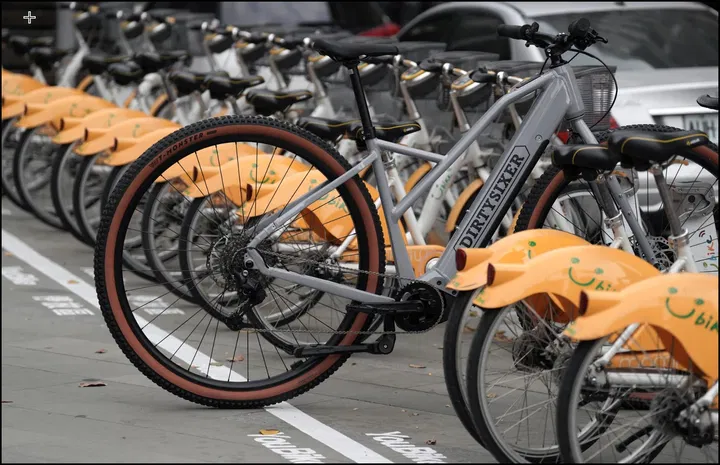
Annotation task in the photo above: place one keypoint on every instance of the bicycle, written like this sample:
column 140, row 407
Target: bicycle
column 248, row 271
column 656, row 384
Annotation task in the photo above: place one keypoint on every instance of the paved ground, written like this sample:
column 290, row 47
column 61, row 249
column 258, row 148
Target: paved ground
column 54, row 339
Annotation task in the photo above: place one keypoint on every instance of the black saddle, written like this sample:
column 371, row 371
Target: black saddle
column 46, row 57
column 252, row 52
column 268, row 102
column 160, row 33
column 326, row 128
column 222, row 87
column 708, row 102
column 97, row 63
column 87, row 20
column 351, row 51
column 390, row 131
column 154, row 62
column 220, row 43
column 132, row 29
column 126, row 73
column 187, row 82
column 642, row 149
column 285, row 58
column 593, row 157
column 21, row 45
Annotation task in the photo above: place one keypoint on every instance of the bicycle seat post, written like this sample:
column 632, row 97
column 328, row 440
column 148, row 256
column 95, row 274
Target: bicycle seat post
column 360, row 99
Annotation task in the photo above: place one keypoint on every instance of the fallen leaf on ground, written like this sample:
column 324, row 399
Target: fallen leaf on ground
column 269, row 432
column 501, row 337
column 8, row 254
column 72, row 281
column 100, row 351
column 468, row 329
column 429, row 374
column 447, row 405
column 7, row 402
column 431, row 442
column 237, row 358
column 491, row 395
column 403, row 410
column 355, row 409
column 415, row 414
column 93, row 384
column 413, row 365
column 473, row 313
column 217, row 364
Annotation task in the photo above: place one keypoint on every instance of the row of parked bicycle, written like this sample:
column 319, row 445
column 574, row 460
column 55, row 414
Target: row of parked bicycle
column 575, row 271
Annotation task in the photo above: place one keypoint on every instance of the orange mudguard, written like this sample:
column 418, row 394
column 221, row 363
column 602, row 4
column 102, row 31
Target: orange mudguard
column 73, row 129
column 513, row 249
column 99, row 139
column 242, row 174
column 35, row 100
column 14, row 85
column 680, row 307
column 563, row 274
column 71, row 106
column 206, row 164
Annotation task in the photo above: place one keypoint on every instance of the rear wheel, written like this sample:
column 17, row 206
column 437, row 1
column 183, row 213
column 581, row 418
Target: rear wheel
column 11, row 136
column 66, row 166
column 172, row 351
column 32, row 172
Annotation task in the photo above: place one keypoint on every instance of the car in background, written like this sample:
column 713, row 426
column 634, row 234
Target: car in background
column 665, row 53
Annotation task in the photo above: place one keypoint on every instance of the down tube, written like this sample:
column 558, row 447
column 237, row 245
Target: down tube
column 505, row 181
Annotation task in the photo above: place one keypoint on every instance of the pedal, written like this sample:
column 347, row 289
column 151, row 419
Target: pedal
column 390, row 308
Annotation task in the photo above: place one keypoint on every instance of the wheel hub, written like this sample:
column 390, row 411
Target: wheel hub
column 529, row 352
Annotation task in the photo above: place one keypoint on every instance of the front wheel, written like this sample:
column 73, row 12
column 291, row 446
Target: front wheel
column 194, row 356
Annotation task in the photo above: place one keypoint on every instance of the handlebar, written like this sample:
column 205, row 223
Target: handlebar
column 580, row 35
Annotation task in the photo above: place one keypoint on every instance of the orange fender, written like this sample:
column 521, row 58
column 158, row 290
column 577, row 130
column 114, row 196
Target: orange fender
column 242, row 174
column 35, row 100
column 126, row 150
column 73, row 128
column 462, row 199
column 17, row 85
column 73, row 106
column 85, row 83
column 100, row 139
column 417, row 176
column 680, row 307
column 516, row 249
column 564, row 272
column 207, row 163
column 157, row 104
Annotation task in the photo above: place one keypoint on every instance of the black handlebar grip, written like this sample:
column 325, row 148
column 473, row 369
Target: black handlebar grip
column 579, row 28
column 513, row 32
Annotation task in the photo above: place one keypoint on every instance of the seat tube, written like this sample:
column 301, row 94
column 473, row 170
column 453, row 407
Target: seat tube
column 368, row 129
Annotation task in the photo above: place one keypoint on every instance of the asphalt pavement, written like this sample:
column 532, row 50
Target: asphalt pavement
column 70, row 395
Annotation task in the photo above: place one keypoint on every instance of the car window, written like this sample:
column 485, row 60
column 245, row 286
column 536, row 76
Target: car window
column 478, row 32
column 648, row 39
column 434, row 29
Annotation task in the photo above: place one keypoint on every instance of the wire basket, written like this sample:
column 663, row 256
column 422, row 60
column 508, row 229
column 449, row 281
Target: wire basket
column 597, row 89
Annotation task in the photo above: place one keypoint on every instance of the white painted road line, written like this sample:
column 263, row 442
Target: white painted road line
column 332, row 438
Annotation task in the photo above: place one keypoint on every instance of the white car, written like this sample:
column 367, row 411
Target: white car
column 666, row 53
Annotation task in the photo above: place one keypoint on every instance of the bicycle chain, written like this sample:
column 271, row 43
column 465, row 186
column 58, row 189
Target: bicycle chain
column 321, row 331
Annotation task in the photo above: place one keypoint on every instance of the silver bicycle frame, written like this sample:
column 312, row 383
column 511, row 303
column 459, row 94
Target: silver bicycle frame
column 559, row 99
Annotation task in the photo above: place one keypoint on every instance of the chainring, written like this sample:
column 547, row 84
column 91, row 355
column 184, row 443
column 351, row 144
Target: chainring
column 433, row 307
